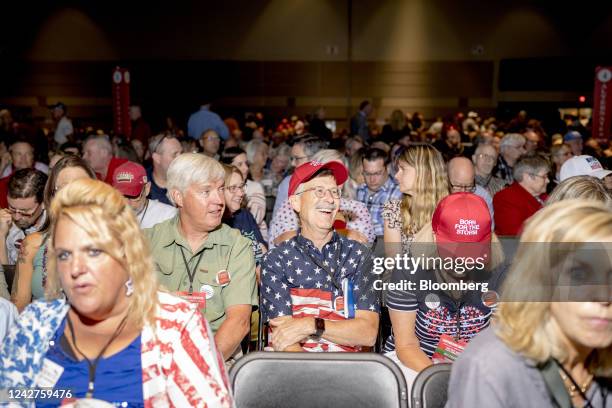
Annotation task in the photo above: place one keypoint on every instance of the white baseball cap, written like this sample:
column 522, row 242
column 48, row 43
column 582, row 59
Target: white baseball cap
column 583, row 165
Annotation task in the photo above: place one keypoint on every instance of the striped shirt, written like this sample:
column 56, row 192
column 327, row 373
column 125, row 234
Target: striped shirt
column 437, row 312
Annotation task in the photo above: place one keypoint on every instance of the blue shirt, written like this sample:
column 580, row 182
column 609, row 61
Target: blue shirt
column 290, row 266
column 157, row 193
column 375, row 201
column 202, row 120
column 244, row 221
column 118, row 378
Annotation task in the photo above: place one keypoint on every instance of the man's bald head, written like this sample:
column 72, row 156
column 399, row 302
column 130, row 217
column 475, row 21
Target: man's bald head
column 461, row 174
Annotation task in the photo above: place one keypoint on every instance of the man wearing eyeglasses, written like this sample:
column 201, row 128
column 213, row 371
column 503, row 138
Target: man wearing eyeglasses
column 485, row 158
column 25, row 213
column 516, row 203
column 511, row 148
column 317, row 286
column 131, row 181
column 461, row 180
column 379, row 188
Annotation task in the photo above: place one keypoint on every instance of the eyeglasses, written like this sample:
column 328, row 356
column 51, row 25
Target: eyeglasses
column 461, row 188
column 486, row 157
column 235, row 189
column 24, row 213
column 542, row 176
column 376, row 174
column 320, row 192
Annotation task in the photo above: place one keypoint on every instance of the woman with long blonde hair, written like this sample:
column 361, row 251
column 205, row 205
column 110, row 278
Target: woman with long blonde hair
column 106, row 328
column 423, row 181
column 550, row 344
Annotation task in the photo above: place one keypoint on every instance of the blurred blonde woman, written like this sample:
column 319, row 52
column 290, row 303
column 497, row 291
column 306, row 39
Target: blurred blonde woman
column 550, row 344
column 423, row 181
column 583, row 187
column 111, row 335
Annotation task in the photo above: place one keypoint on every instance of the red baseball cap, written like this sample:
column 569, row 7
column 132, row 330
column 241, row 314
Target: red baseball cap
column 130, row 178
column 305, row 172
column 462, row 225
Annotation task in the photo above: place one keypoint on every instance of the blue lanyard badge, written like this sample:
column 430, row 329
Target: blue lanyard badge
column 349, row 301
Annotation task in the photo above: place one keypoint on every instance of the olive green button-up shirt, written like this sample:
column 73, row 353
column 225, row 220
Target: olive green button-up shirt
column 225, row 249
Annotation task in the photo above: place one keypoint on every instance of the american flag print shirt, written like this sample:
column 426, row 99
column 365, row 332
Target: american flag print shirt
column 293, row 284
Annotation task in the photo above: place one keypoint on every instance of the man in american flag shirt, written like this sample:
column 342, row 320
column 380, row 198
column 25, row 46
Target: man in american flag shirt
column 317, row 287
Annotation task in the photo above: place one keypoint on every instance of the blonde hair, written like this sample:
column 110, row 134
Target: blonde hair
column 584, row 187
column 102, row 212
column 229, row 171
column 192, row 168
column 431, row 186
column 523, row 321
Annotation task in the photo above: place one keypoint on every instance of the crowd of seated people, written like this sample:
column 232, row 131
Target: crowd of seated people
column 137, row 269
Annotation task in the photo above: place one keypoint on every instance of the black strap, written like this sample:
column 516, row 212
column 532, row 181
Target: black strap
column 556, row 388
column 191, row 273
column 94, row 365
column 578, row 388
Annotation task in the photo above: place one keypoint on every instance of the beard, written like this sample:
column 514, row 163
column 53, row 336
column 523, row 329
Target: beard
column 24, row 224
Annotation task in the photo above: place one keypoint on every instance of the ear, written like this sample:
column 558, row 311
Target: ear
column 296, row 203
column 201, row 143
column 177, row 197
column 155, row 157
column 147, row 189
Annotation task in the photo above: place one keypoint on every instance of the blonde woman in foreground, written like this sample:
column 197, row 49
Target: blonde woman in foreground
column 550, row 344
column 105, row 331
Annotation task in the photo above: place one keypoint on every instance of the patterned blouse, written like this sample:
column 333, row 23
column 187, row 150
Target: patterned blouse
column 391, row 213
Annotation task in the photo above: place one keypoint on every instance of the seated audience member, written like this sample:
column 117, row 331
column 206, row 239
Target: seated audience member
column 586, row 166
column 450, row 144
column 163, row 148
column 461, row 180
column 574, row 139
column 559, row 154
column 304, row 147
column 25, row 213
column 581, row 187
column 353, row 215
column 22, row 157
column 424, row 321
column 130, row 179
column 545, row 349
column 316, row 287
column 355, row 179
column 255, row 195
column 379, row 189
column 104, row 327
column 238, row 217
column 279, row 162
column 423, row 182
column 210, row 143
column 511, row 148
column 514, row 204
column 31, row 272
column 485, row 158
column 532, row 141
column 205, row 261
column 98, row 154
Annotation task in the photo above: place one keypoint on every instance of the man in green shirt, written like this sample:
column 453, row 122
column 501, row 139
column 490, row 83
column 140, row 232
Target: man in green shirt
column 201, row 259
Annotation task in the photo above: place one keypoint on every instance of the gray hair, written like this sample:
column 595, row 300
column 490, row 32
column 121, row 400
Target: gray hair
column 156, row 141
column 529, row 165
column 192, row 168
column 311, row 144
column 327, row 155
column 282, row 150
column 511, row 140
column 102, row 141
column 252, row 147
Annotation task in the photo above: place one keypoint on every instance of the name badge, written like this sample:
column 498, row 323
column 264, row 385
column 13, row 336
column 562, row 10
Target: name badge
column 197, row 298
column 223, row 278
column 448, row 349
column 50, row 374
